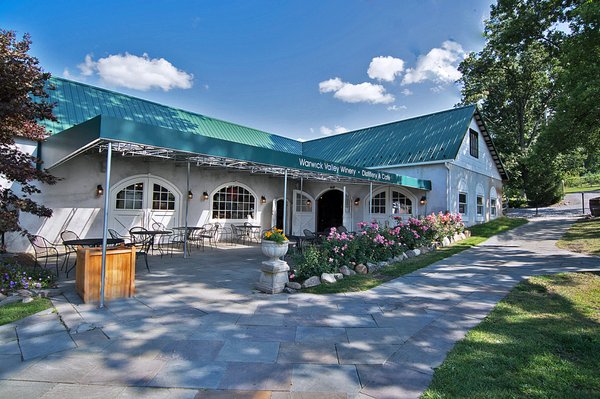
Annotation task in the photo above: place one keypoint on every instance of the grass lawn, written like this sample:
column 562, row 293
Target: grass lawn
column 479, row 234
column 541, row 341
column 17, row 311
column 581, row 189
column 583, row 237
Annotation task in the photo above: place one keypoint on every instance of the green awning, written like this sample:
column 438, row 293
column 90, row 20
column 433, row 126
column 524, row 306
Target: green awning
column 151, row 140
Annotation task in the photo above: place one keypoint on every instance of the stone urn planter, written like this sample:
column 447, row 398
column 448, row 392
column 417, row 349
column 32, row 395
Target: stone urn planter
column 273, row 250
column 273, row 272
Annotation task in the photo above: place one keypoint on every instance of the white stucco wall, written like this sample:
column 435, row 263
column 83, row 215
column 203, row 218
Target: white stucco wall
column 76, row 207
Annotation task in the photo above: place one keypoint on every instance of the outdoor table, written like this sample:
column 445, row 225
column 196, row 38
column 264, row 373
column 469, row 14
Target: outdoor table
column 93, row 242
column 152, row 233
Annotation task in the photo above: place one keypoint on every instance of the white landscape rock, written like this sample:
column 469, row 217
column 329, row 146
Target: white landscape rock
column 338, row 276
column 345, row 270
column 311, row 282
column 445, row 242
column 328, row 278
column 293, row 285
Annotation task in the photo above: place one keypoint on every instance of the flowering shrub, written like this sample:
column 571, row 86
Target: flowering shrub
column 374, row 243
column 276, row 235
column 15, row 277
column 445, row 225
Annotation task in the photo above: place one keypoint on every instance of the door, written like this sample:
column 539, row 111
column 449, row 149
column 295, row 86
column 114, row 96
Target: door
column 303, row 213
column 347, row 217
column 143, row 201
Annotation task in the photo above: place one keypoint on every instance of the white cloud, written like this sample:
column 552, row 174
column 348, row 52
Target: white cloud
column 300, row 139
column 67, row 74
column 330, row 85
column 407, row 92
column 396, row 107
column 385, row 68
column 439, row 65
column 437, row 89
column 336, row 130
column 88, row 66
column 356, row 93
column 134, row 72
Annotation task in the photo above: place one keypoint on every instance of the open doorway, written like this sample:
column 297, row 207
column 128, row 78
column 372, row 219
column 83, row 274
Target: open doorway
column 279, row 214
column 330, row 210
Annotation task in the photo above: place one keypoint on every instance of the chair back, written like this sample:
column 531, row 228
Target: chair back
column 342, row 229
column 68, row 235
column 114, row 234
column 308, row 233
column 141, row 240
column 158, row 226
column 39, row 242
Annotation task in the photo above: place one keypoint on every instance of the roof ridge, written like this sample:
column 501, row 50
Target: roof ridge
column 391, row 123
column 168, row 106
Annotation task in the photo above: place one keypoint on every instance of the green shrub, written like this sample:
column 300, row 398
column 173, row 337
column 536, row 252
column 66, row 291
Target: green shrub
column 588, row 180
column 314, row 262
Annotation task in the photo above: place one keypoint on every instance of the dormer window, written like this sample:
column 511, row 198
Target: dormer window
column 474, row 143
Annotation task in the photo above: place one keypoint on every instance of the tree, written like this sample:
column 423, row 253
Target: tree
column 22, row 105
column 514, row 92
column 576, row 120
column 536, row 77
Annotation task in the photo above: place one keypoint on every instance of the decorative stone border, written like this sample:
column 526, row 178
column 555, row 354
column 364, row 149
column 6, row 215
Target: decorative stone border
column 332, row 278
column 26, row 296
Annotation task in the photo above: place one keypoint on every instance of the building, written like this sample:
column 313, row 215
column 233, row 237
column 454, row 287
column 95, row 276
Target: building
column 177, row 167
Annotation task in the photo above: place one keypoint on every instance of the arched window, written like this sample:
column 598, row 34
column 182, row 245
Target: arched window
column 493, row 203
column 131, row 197
column 378, row 203
column 162, row 198
column 233, row 202
column 401, row 204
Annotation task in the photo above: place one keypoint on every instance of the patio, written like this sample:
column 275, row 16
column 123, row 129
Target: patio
column 196, row 329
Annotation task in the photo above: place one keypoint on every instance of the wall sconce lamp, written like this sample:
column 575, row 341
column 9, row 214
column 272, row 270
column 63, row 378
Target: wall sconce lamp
column 99, row 190
column 190, row 195
column 423, row 200
column 308, row 202
column 263, row 200
column 356, row 201
column 205, row 196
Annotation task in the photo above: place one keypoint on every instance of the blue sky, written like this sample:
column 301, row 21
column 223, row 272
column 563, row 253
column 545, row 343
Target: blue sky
column 300, row 69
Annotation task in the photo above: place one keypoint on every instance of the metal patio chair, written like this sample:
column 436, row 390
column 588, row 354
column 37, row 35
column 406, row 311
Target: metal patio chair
column 116, row 235
column 162, row 240
column 43, row 249
column 69, row 249
column 142, row 242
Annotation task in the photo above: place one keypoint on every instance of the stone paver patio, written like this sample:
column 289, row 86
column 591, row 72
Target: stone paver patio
column 196, row 329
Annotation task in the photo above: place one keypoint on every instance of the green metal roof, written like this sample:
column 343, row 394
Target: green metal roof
column 77, row 102
column 427, row 138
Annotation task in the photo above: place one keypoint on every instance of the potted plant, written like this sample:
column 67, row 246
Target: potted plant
column 274, row 243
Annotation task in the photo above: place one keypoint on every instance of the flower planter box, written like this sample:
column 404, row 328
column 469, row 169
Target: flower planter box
column 119, row 279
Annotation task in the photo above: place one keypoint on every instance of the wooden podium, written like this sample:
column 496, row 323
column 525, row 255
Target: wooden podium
column 119, row 281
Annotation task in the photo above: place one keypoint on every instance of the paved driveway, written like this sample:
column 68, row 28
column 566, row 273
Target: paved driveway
column 196, row 329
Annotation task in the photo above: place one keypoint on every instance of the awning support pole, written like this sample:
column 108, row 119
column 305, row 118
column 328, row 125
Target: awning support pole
column 370, row 201
column 187, row 205
column 344, row 207
column 105, row 225
column 285, row 202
